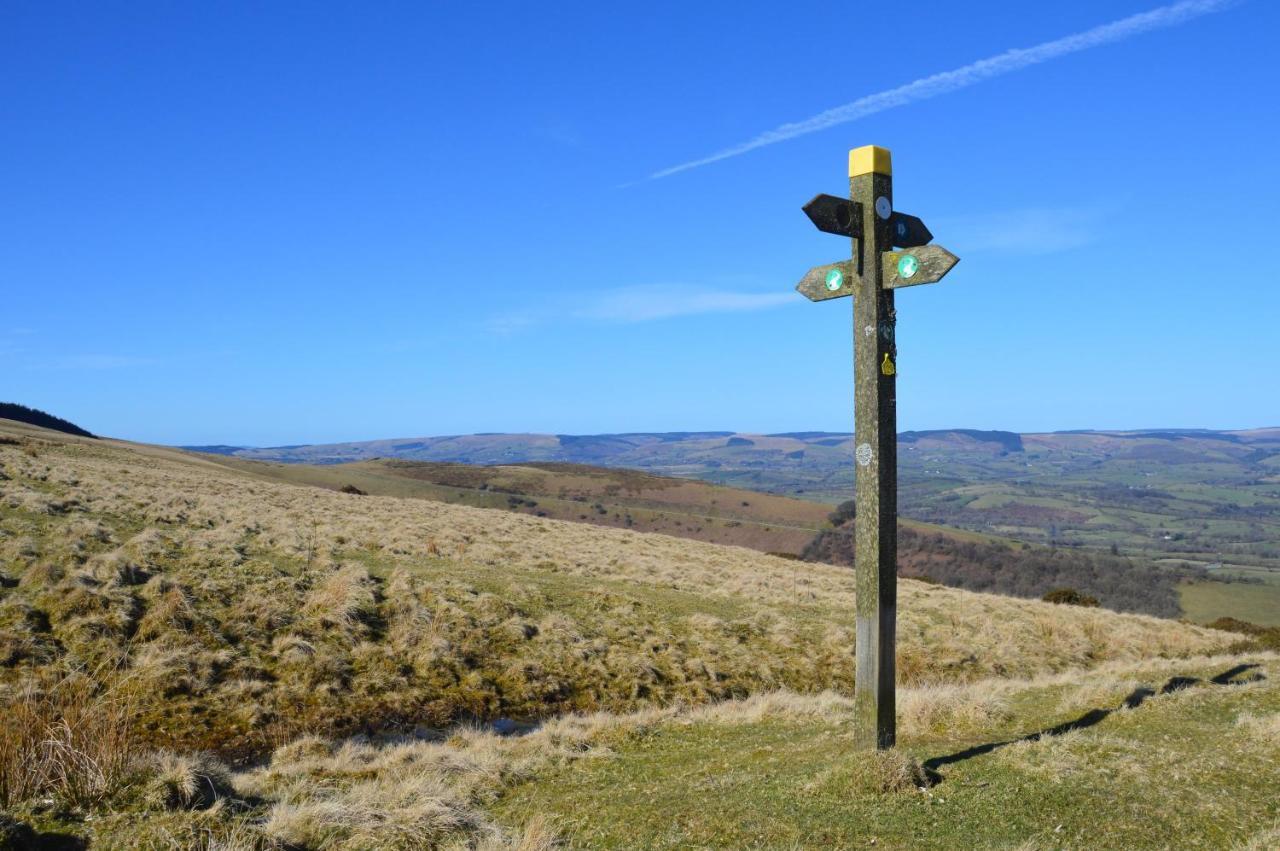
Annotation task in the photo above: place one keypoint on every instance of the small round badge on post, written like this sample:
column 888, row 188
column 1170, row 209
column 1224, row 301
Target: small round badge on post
column 834, row 280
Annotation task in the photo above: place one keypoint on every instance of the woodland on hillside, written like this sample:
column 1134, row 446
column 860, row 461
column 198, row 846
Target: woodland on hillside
column 1119, row 583
column 33, row 416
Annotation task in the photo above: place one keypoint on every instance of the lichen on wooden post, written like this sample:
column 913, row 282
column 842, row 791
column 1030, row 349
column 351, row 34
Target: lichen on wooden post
column 875, row 456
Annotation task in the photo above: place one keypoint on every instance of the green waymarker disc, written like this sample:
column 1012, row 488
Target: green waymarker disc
column 835, row 278
column 907, row 266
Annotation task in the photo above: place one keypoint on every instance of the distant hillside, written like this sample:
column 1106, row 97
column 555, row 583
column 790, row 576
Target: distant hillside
column 812, row 462
column 600, row 496
column 32, row 416
column 684, row 508
column 1007, row 439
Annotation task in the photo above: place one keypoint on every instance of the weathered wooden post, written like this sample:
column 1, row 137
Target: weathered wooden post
column 871, row 277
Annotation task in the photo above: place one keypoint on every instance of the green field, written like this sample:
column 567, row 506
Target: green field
column 1205, row 602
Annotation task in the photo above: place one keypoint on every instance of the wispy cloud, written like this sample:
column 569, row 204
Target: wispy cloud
column 968, row 75
column 1038, row 230
column 643, row 304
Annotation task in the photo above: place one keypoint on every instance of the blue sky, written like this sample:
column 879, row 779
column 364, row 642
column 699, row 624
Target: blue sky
column 288, row 223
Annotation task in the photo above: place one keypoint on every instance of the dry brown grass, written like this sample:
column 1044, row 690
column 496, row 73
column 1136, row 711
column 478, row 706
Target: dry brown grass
column 186, row 781
column 358, row 794
column 279, row 608
column 1266, row 840
column 64, row 737
column 1263, row 729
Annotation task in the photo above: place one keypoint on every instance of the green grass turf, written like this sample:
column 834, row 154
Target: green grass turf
column 1177, row 771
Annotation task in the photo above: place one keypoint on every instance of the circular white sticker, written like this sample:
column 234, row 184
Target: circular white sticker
column 869, row 330
column 883, row 207
column 863, row 454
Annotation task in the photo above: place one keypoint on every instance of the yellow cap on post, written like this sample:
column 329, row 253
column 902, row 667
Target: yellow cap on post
column 870, row 158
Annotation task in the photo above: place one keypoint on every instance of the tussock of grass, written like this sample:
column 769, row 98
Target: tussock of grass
column 1265, row 840
column 1264, row 729
column 889, row 772
column 360, row 794
column 186, row 781
column 65, row 737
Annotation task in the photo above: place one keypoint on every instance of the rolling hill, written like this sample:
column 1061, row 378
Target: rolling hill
column 1200, row 495
column 1192, row 500
column 165, row 614
column 779, row 525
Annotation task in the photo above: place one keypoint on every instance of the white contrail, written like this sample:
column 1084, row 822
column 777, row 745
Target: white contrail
column 984, row 69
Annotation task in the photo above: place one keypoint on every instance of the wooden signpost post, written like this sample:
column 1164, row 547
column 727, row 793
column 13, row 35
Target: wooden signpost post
column 875, row 271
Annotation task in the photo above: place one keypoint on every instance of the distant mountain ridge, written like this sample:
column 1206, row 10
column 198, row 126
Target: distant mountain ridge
column 1009, row 440
column 668, row 450
column 570, row 448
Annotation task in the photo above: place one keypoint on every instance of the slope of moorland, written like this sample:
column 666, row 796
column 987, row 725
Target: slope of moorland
column 1191, row 499
column 603, row 496
column 1207, row 497
column 160, row 613
column 770, row 523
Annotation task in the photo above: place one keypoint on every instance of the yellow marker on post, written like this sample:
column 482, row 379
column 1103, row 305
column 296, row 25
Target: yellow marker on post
column 870, row 159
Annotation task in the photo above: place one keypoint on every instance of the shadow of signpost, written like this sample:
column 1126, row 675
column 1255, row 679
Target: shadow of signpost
column 1095, row 716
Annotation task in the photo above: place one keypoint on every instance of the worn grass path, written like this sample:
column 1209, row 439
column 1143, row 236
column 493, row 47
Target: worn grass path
column 1158, row 758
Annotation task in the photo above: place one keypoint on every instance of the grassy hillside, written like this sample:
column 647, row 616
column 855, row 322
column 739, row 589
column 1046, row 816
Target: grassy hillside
column 155, row 605
column 623, row 499
column 1211, row 496
column 766, row 522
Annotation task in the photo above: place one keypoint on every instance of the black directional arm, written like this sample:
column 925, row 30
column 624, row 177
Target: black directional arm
column 840, row 216
column 908, row 231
